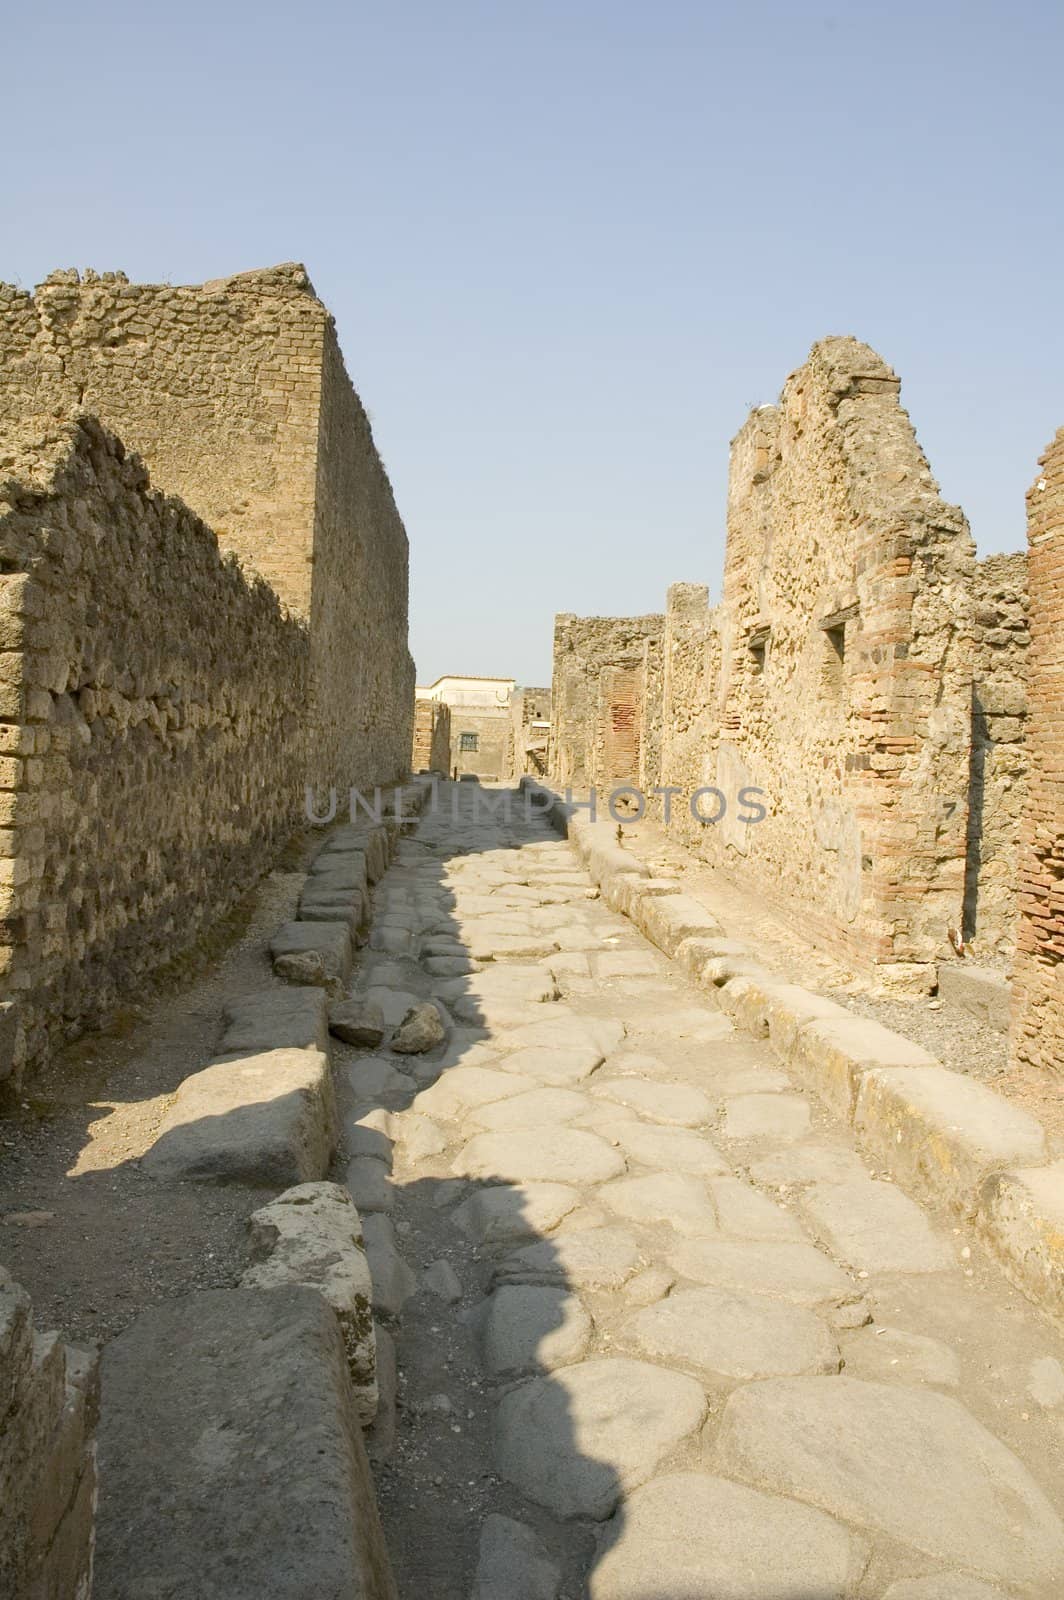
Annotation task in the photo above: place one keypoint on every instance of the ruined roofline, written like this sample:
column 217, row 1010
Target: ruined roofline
column 285, row 277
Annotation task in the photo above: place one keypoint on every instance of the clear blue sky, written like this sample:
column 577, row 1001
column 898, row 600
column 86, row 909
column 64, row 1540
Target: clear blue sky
column 568, row 243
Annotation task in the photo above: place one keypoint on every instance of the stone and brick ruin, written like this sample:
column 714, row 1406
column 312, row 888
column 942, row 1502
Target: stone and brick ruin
column 869, row 676
column 481, row 727
column 204, row 604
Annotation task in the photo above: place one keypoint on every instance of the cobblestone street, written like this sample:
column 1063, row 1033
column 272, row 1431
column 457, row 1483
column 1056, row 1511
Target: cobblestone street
column 661, row 1329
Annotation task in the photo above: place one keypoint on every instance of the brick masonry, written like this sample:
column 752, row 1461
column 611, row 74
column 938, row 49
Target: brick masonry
column 1037, row 1039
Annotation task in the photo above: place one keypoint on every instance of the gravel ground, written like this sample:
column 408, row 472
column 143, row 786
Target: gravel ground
column 87, row 1232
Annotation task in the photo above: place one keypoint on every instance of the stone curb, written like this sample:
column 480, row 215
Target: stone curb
column 945, row 1138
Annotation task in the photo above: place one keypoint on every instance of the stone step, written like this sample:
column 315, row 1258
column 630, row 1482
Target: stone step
column 231, row 1458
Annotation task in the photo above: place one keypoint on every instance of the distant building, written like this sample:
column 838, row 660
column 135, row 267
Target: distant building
column 481, row 729
column 497, row 730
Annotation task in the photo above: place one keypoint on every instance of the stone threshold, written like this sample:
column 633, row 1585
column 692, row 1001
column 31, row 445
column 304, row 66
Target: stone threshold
column 943, row 1137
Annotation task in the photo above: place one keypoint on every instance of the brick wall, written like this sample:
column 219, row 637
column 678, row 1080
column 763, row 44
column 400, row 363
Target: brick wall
column 235, row 395
column 1038, row 985
column 153, row 722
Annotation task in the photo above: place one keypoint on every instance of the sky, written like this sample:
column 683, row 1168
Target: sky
column 568, row 244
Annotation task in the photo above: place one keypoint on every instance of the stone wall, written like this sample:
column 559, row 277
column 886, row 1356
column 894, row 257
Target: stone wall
column 835, row 676
column 48, row 1404
column 998, row 767
column 152, row 715
column 529, row 739
column 1038, row 979
column 605, row 700
column 235, row 395
column 846, row 666
column 432, row 737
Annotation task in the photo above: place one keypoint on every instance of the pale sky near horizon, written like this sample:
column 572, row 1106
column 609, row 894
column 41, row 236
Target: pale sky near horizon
column 569, row 245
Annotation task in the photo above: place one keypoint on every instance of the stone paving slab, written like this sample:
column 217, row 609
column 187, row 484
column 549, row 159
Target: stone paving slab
column 723, row 1333
column 913, row 1464
column 574, row 1441
column 875, row 1228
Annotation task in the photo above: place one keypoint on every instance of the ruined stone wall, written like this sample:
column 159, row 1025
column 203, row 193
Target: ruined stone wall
column 690, row 733
column 529, row 743
column 235, row 395
column 605, row 700
column 998, row 770
column 432, row 736
column 153, row 721
column 1038, row 990
column 48, row 1406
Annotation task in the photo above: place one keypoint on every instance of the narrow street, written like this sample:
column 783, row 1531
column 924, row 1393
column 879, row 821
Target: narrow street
column 660, row 1330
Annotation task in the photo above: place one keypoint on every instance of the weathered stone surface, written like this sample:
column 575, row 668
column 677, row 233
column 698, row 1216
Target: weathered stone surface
column 422, row 1028
column 979, row 990
column 513, row 1562
column 944, row 1586
column 394, row 1003
column 726, row 1333
column 421, row 1138
column 795, row 1272
column 890, row 1355
column 358, row 1022
column 701, row 1536
column 586, row 1258
column 874, row 1227
column 441, row 1279
column 779, row 1117
column 552, row 1155
column 329, row 940
column 678, row 1198
column 673, row 1104
column 369, row 1184
column 746, row 1212
column 910, row 1463
column 268, row 1119
column 507, row 1213
column 458, row 1089
column 312, row 1235
column 557, row 1064
column 671, row 1149
column 555, row 1028
column 536, row 1109
column 393, row 1281
column 833, row 1054
column 243, row 1473
column 1021, row 1219
column 377, row 1078
column 573, row 1441
column 942, row 1133
column 626, row 964
column 275, row 1019
column 371, row 1133
column 527, row 1328
column 809, row 1163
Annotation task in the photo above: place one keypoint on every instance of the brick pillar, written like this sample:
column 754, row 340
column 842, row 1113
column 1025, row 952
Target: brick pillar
column 1038, row 980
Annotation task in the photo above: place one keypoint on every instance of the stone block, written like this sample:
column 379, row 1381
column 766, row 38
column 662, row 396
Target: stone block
column 833, row 1054
column 940, row 1133
column 231, row 1457
column 331, row 941
column 667, row 920
column 312, row 1235
column 275, row 1019
column 1021, row 1221
column 267, row 1119
column 982, row 991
